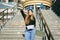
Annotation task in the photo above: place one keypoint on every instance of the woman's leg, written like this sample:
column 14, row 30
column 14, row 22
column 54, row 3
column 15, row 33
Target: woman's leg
column 32, row 35
column 27, row 35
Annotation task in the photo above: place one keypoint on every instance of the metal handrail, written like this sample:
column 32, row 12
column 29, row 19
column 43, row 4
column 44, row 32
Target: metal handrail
column 45, row 27
column 4, row 21
column 2, row 18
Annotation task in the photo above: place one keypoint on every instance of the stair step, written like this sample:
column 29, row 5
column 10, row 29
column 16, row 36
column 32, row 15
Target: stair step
column 10, row 35
column 21, row 25
column 14, row 28
column 12, row 39
column 13, row 32
column 38, row 38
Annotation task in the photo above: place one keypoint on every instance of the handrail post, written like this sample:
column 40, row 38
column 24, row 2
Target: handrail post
column 3, row 17
column 41, row 22
column 7, row 14
column 49, row 37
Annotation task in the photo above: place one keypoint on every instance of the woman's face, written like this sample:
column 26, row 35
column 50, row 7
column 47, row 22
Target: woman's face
column 30, row 12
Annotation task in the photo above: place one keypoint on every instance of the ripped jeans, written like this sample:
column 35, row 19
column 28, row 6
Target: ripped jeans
column 30, row 34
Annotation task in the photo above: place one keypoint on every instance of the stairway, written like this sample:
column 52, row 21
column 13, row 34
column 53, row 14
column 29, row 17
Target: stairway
column 14, row 29
column 53, row 22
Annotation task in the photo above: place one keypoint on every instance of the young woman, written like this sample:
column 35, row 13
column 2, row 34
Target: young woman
column 30, row 23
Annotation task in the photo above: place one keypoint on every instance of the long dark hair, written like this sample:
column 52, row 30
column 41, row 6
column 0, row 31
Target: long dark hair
column 29, row 17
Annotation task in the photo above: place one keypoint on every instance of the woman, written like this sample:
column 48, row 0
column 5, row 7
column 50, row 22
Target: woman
column 30, row 25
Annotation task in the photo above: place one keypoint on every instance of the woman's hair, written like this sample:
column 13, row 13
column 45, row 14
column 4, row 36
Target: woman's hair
column 30, row 10
column 29, row 17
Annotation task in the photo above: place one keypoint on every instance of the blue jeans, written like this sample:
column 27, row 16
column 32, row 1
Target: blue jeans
column 30, row 35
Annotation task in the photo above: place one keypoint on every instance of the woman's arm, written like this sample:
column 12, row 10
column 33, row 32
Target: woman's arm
column 23, row 14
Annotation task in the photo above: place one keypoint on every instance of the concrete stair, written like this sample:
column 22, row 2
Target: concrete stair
column 53, row 23
column 14, row 29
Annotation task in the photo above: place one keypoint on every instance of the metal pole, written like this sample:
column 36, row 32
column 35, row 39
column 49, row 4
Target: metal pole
column 7, row 14
column 35, row 13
